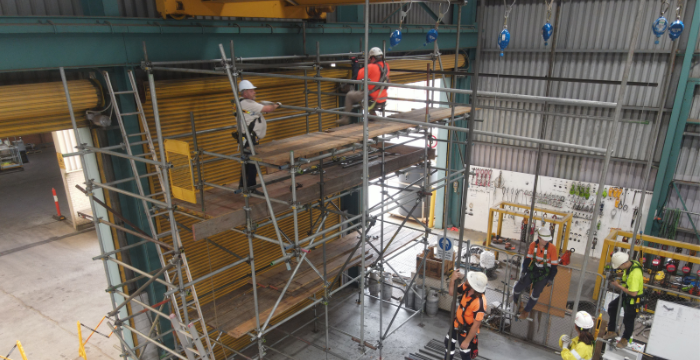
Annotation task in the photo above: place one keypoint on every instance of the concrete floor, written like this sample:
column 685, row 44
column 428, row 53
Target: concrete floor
column 48, row 280
column 408, row 339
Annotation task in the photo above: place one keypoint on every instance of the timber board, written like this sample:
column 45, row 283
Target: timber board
column 226, row 210
column 234, row 313
column 307, row 145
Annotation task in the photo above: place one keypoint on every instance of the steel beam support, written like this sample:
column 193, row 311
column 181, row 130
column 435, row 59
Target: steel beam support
column 106, row 41
column 676, row 127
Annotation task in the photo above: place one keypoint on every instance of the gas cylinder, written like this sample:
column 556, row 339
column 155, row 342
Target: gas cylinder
column 431, row 306
column 387, row 286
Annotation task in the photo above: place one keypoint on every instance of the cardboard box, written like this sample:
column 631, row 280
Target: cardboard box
column 432, row 264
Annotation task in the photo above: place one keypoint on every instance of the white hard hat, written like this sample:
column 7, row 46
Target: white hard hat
column 487, row 260
column 245, row 85
column 544, row 234
column 583, row 320
column 375, row 51
column 619, row 258
column 477, row 280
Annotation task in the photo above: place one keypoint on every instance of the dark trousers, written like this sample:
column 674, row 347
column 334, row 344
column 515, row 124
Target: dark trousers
column 452, row 344
column 627, row 319
column 523, row 284
column 250, row 170
column 250, row 175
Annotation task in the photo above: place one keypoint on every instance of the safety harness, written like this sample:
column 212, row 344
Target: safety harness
column 382, row 79
column 463, row 327
column 537, row 273
column 632, row 302
column 250, row 126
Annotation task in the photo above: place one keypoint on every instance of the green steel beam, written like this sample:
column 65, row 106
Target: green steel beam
column 41, row 43
column 429, row 11
column 692, row 223
column 674, row 134
column 349, row 13
column 100, row 7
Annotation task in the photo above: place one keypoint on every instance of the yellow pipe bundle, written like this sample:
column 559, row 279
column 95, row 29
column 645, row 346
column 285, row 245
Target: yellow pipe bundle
column 42, row 107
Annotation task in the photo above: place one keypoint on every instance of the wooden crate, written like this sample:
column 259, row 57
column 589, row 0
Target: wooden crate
column 432, row 264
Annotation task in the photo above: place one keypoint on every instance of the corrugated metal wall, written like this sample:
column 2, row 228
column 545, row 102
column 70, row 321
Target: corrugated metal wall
column 593, row 40
column 41, row 8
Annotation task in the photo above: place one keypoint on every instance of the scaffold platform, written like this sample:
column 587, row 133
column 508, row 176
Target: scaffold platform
column 234, row 312
column 225, row 210
column 277, row 152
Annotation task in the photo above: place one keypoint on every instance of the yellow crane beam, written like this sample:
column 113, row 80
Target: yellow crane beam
column 280, row 9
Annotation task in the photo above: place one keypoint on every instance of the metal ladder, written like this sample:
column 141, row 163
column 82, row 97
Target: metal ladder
column 190, row 340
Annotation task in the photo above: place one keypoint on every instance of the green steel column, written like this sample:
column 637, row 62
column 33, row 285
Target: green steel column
column 674, row 134
column 143, row 257
column 456, row 156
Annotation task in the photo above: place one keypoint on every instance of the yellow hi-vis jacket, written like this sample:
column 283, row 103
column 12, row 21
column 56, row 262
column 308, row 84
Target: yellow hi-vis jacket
column 577, row 351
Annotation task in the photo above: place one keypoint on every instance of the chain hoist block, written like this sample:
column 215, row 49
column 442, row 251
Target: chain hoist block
column 503, row 39
column 547, row 30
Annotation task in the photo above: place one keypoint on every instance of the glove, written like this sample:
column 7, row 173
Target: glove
column 550, row 282
column 564, row 341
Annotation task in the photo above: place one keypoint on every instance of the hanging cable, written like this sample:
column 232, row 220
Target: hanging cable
column 433, row 33
column 395, row 37
column 504, row 36
column 676, row 28
column 547, row 28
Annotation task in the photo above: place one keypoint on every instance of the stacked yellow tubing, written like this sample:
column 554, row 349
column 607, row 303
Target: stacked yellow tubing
column 36, row 108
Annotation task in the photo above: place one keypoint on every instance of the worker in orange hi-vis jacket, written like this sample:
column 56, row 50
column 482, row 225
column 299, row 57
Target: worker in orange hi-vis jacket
column 539, row 270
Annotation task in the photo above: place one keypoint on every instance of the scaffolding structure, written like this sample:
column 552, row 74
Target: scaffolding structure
column 198, row 340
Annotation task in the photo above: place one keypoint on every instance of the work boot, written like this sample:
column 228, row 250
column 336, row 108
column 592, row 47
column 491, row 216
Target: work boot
column 524, row 315
column 622, row 343
column 609, row 335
